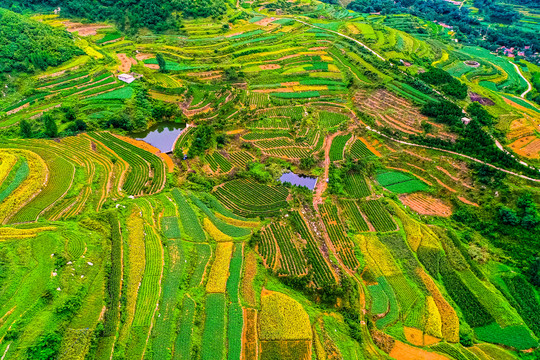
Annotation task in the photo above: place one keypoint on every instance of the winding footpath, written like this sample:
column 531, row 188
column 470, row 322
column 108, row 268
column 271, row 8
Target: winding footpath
column 529, row 86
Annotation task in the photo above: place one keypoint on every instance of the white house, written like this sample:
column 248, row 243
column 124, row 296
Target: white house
column 127, row 78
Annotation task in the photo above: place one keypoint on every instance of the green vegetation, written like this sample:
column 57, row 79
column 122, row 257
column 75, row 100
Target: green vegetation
column 421, row 235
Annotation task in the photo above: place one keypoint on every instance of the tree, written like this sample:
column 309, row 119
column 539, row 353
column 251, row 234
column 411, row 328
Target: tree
column 51, row 130
column 25, row 129
column 161, row 62
column 508, row 216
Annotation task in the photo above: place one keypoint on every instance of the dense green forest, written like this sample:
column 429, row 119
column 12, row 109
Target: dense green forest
column 468, row 28
column 27, row 45
column 130, row 15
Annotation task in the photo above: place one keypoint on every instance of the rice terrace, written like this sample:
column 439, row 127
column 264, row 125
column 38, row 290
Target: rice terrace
column 273, row 180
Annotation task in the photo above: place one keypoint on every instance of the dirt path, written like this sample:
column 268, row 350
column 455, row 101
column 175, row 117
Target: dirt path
column 322, row 184
column 529, row 86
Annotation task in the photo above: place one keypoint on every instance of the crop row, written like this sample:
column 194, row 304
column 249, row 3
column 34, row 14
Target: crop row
column 218, row 163
column 329, row 119
column 291, row 259
column 356, row 186
column 351, row 211
column 359, row 150
column 221, row 225
column 337, row 147
column 190, row 221
column 341, row 242
column 378, row 216
column 150, row 287
column 267, row 248
column 247, row 198
column 213, row 339
column 147, row 173
column 240, row 158
column 321, row 271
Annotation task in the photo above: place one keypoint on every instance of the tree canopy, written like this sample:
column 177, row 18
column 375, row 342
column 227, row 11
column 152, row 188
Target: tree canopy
column 27, row 45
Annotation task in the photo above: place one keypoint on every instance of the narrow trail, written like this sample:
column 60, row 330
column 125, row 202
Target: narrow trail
column 322, row 184
column 529, row 86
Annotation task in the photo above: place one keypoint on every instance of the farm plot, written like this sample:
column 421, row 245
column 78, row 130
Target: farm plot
column 23, row 192
column 234, row 331
column 350, row 209
column 164, row 331
column 360, row 150
column 221, row 225
column 200, row 255
column 148, row 293
column 213, row 339
column 218, row 163
column 56, row 188
column 329, row 119
column 188, row 217
column 356, row 186
column 283, row 323
column 319, row 267
column 390, row 111
column 289, row 255
column 400, row 182
column 341, row 242
column 147, row 174
column 240, row 158
column 426, row 204
column 267, row 248
column 217, row 280
column 247, row 198
column 378, row 216
column 338, row 146
column 235, row 273
column 182, row 348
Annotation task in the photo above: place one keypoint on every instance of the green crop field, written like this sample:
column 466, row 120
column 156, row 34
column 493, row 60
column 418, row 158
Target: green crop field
column 142, row 147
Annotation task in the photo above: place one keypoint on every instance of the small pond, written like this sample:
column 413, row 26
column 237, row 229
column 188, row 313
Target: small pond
column 298, row 180
column 161, row 136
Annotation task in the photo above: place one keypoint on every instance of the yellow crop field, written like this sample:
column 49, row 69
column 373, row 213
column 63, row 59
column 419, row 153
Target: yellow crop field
column 29, row 188
column 7, row 162
column 433, row 318
column 214, row 232
column 283, row 318
column 377, row 255
column 137, row 261
column 237, row 222
column 449, row 319
column 14, row 233
column 217, row 281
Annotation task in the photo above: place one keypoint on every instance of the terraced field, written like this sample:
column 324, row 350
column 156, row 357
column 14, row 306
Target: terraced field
column 409, row 246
